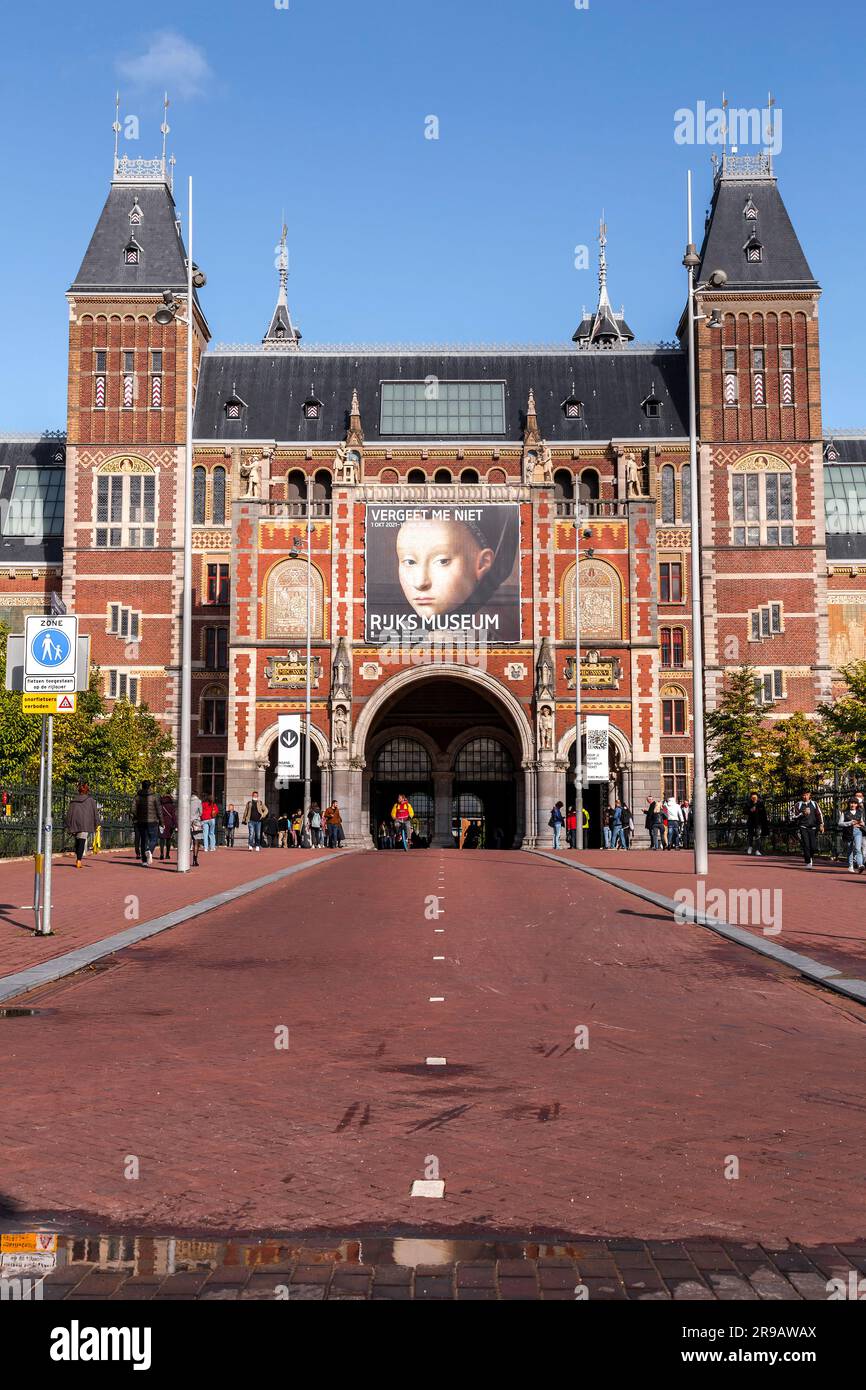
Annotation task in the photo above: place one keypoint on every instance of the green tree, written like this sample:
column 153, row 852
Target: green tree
column 841, row 733
column 796, row 765
column 20, row 734
column 741, row 755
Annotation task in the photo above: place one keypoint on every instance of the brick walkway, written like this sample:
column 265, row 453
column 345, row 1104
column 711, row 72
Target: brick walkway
column 823, row 910
column 93, row 902
column 422, row 1270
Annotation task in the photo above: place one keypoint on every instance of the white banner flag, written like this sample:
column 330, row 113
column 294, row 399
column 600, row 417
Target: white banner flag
column 289, row 747
column 597, row 729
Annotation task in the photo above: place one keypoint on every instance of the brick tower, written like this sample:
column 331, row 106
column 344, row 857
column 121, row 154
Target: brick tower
column 126, row 432
column 759, row 397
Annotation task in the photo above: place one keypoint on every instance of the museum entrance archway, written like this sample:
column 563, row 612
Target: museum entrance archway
column 452, row 747
column 597, row 796
column 284, row 796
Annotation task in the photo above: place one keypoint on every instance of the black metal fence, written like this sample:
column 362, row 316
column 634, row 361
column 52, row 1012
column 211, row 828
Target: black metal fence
column 727, row 823
column 18, row 818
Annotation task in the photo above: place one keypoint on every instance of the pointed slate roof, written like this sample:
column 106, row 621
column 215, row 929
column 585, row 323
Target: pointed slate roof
column 162, row 262
column 783, row 265
column 281, row 328
column 605, row 327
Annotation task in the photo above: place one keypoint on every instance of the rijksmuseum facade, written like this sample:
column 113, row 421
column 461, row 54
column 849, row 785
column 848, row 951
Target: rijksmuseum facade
column 443, row 487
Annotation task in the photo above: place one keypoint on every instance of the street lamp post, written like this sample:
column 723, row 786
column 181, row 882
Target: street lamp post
column 578, row 759
column 184, row 767
column 691, row 261
column 307, row 701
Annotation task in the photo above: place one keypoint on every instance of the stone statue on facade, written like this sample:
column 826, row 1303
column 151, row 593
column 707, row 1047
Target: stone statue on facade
column 545, row 729
column 251, row 472
column 633, row 478
column 341, row 727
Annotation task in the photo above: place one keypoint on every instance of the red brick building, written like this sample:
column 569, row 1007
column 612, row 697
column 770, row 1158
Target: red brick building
column 454, row 462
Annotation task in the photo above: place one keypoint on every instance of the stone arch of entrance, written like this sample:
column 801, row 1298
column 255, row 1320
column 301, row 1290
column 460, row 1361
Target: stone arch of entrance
column 321, row 765
column 598, row 796
column 514, row 732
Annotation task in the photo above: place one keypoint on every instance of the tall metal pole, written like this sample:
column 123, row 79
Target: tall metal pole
column 40, row 861
column 45, row 929
column 184, row 768
column 578, row 759
column 699, row 780
column 307, row 704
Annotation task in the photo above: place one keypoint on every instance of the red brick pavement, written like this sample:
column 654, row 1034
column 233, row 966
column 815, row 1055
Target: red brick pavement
column 697, row 1052
column 823, row 910
column 91, row 902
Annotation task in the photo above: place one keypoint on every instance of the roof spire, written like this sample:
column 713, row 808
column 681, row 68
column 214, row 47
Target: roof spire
column 116, row 126
column 165, row 127
column 604, row 327
column 281, row 329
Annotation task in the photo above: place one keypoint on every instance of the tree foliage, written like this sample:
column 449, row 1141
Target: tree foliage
column 741, row 751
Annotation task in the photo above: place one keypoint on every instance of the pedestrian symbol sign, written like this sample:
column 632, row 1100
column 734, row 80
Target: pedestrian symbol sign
column 50, row 654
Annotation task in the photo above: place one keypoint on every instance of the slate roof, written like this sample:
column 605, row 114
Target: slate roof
column 162, row 264
column 22, row 453
column 783, row 264
column 850, row 448
column 611, row 383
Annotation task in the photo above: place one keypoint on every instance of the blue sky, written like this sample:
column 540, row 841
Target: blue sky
column 546, row 112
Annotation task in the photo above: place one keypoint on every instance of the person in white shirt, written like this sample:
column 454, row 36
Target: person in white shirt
column 675, row 822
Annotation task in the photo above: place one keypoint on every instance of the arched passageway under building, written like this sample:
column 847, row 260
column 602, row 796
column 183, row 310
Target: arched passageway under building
column 453, row 748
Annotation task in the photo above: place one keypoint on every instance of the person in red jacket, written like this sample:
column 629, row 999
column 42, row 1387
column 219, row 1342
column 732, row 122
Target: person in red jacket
column 209, row 813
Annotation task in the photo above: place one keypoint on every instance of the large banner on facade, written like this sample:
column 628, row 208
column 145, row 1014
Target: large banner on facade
column 443, row 568
column 597, row 735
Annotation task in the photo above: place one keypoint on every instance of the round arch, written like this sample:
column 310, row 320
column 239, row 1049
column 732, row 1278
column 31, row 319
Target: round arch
column 617, row 737
column 450, row 670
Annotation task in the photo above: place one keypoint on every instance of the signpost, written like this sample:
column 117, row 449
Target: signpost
column 49, row 665
column 289, row 746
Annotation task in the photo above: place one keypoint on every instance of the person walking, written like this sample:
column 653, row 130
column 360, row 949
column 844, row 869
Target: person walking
column 402, row 815
column 145, row 813
column 167, row 826
column 675, row 821
column 209, row 813
column 315, row 819
column 851, row 825
column 254, row 813
column 230, row 823
column 571, row 828
column 755, row 815
column 556, row 821
column 196, row 830
column 686, row 809
column 617, row 826
column 809, row 822
column 82, row 819
column 656, row 820
column 627, row 825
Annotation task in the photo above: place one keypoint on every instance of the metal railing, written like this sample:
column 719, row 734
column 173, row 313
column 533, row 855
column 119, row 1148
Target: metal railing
column 18, row 817
column 727, row 825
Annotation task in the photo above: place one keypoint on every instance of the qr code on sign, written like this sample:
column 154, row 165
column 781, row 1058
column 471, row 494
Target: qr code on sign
column 596, row 739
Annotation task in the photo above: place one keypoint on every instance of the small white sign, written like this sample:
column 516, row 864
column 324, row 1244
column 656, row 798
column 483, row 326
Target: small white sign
column 289, row 746
column 50, row 653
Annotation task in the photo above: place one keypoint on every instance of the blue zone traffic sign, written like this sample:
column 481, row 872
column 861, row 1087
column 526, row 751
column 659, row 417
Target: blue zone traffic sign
column 50, row 648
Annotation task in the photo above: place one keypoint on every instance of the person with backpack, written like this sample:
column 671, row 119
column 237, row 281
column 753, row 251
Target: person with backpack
column 231, row 820
column 851, row 825
column 402, row 815
column 82, row 819
column 315, row 819
column 556, row 821
column 254, row 814
column 809, row 822
column 145, row 813
column 757, row 825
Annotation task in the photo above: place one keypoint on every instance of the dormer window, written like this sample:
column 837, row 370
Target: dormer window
column 136, row 215
column 572, row 409
column 132, row 252
column 754, row 250
column 750, row 212
column 234, row 407
column 312, row 409
column 651, row 406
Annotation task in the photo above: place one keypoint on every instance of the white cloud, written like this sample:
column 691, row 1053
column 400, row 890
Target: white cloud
column 170, row 62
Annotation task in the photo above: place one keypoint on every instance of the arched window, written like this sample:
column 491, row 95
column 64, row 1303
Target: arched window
column 296, row 486
column 416, row 475
column 563, row 485
column 484, row 760
column 286, row 603
column 673, row 710
column 218, row 497
column 322, row 485
column 590, row 486
column 199, row 495
column 402, row 759
column 600, row 601
column 687, row 492
column 667, row 494
column 442, row 475
column 469, row 475
column 214, row 707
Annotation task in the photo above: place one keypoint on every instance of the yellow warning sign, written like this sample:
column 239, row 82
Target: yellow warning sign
column 29, row 1240
column 49, row 704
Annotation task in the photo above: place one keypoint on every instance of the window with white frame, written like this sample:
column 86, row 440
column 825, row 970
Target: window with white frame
column 124, row 622
column 36, row 504
column 125, row 510
column 731, row 383
column 123, row 686
column 769, row 687
column 761, row 504
column 759, row 391
column 765, row 622
column 786, row 375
